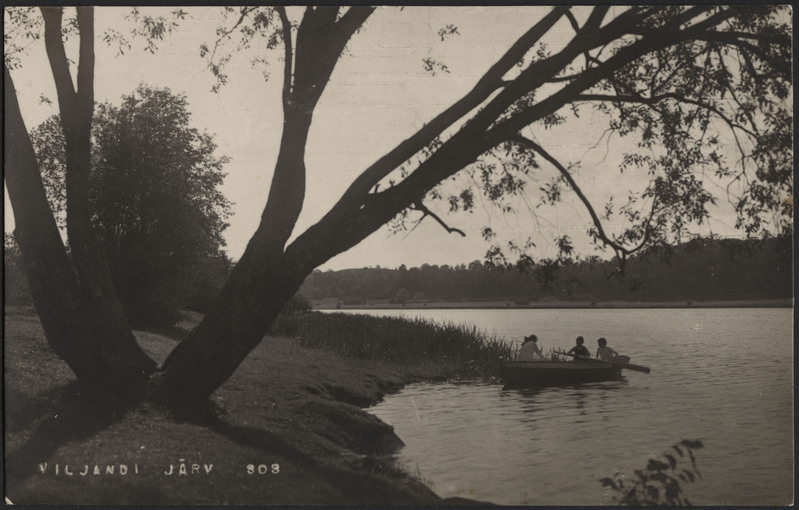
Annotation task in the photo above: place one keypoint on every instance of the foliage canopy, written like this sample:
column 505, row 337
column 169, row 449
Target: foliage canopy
column 154, row 194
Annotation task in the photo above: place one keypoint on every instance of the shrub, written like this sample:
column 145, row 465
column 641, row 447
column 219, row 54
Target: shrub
column 659, row 483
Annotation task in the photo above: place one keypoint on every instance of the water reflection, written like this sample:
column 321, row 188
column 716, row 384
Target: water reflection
column 523, row 393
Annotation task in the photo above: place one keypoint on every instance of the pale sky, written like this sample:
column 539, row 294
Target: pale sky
column 378, row 95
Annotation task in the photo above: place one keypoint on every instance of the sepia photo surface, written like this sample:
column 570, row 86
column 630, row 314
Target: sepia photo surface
column 398, row 256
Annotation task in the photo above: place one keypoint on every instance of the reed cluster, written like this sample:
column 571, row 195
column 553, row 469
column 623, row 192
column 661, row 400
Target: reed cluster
column 456, row 350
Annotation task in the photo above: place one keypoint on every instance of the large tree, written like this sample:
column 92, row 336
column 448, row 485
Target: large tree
column 154, row 195
column 674, row 76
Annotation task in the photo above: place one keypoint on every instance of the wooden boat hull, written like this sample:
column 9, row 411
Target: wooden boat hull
column 546, row 372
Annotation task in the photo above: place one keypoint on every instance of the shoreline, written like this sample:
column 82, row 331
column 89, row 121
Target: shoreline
column 291, row 429
column 545, row 305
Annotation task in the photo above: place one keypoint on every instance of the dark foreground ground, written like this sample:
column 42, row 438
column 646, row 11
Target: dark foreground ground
column 291, row 431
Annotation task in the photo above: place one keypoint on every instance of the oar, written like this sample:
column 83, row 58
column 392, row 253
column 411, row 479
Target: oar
column 615, row 363
column 628, row 366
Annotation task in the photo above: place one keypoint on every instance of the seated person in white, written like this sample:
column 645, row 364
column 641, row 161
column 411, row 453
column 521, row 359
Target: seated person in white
column 529, row 350
column 604, row 352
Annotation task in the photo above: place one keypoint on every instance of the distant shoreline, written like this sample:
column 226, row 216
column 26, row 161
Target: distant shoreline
column 442, row 305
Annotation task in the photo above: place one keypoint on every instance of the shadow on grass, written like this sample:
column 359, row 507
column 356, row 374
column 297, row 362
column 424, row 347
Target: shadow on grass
column 63, row 416
column 262, row 440
column 372, row 481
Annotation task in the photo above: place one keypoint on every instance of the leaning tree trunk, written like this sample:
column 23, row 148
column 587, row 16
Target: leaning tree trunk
column 252, row 298
column 257, row 289
column 79, row 309
column 264, row 279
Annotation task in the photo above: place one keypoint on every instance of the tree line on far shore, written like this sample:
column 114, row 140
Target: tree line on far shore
column 701, row 270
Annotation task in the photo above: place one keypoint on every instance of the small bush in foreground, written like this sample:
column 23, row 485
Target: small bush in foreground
column 659, row 483
column 463, row 351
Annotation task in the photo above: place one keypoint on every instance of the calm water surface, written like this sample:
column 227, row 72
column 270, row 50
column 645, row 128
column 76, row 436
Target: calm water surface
column 724, row 376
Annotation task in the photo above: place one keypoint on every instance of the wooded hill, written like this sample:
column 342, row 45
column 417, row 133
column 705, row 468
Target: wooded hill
column 701, row 270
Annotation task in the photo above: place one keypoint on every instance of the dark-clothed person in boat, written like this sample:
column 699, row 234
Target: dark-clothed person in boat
column 580, row 350
column 604, row 352
column 529, row 350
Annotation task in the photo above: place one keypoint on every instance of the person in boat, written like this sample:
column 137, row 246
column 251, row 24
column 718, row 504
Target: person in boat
column 579, row 350
column 530, row 350
column 604, row 352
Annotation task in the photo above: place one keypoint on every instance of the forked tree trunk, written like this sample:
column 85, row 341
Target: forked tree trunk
column 95, row 343
column 79, row 311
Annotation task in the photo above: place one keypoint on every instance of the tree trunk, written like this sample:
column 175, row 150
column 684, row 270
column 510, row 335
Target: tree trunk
column 82, row 319
column 264, row 280
column 257, row 289
column 236, row 323
column 104, row 361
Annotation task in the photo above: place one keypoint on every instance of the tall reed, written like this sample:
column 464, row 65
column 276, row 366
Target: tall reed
column 457, row 350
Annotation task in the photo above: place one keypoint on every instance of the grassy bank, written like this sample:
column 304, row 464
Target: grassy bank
column 290, row 431
column 432, row 350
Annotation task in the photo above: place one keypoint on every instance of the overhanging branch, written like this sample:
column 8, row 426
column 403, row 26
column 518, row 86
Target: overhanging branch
column 491, row 81
column 622, row 251
column 358, row 213
column 662, row 97
column 419, row 206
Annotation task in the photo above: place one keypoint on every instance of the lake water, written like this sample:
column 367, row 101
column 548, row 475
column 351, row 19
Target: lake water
column 724, row 376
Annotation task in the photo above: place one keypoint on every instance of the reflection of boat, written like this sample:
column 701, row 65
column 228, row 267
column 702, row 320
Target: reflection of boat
column 539, row 372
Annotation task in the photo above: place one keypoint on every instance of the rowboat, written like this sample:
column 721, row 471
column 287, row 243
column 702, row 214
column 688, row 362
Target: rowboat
column 549, row 372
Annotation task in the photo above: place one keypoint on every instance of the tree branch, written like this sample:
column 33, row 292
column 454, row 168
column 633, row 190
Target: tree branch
column 419, row 206
column 572, row 21
column 355, row 216
column 85, row 92
column 76, row 114
column 326, row 14
column 319, row 43
column 57, row 56
column 531, row 145
column 621, row 251
column 662, row 97
column 488, row 83
column 224, row 33
column 351, row 22
column 478, row 135
column 593, row 22
column 361, row 217
column 288, row 55
column 781, row 66
column 663, row 37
